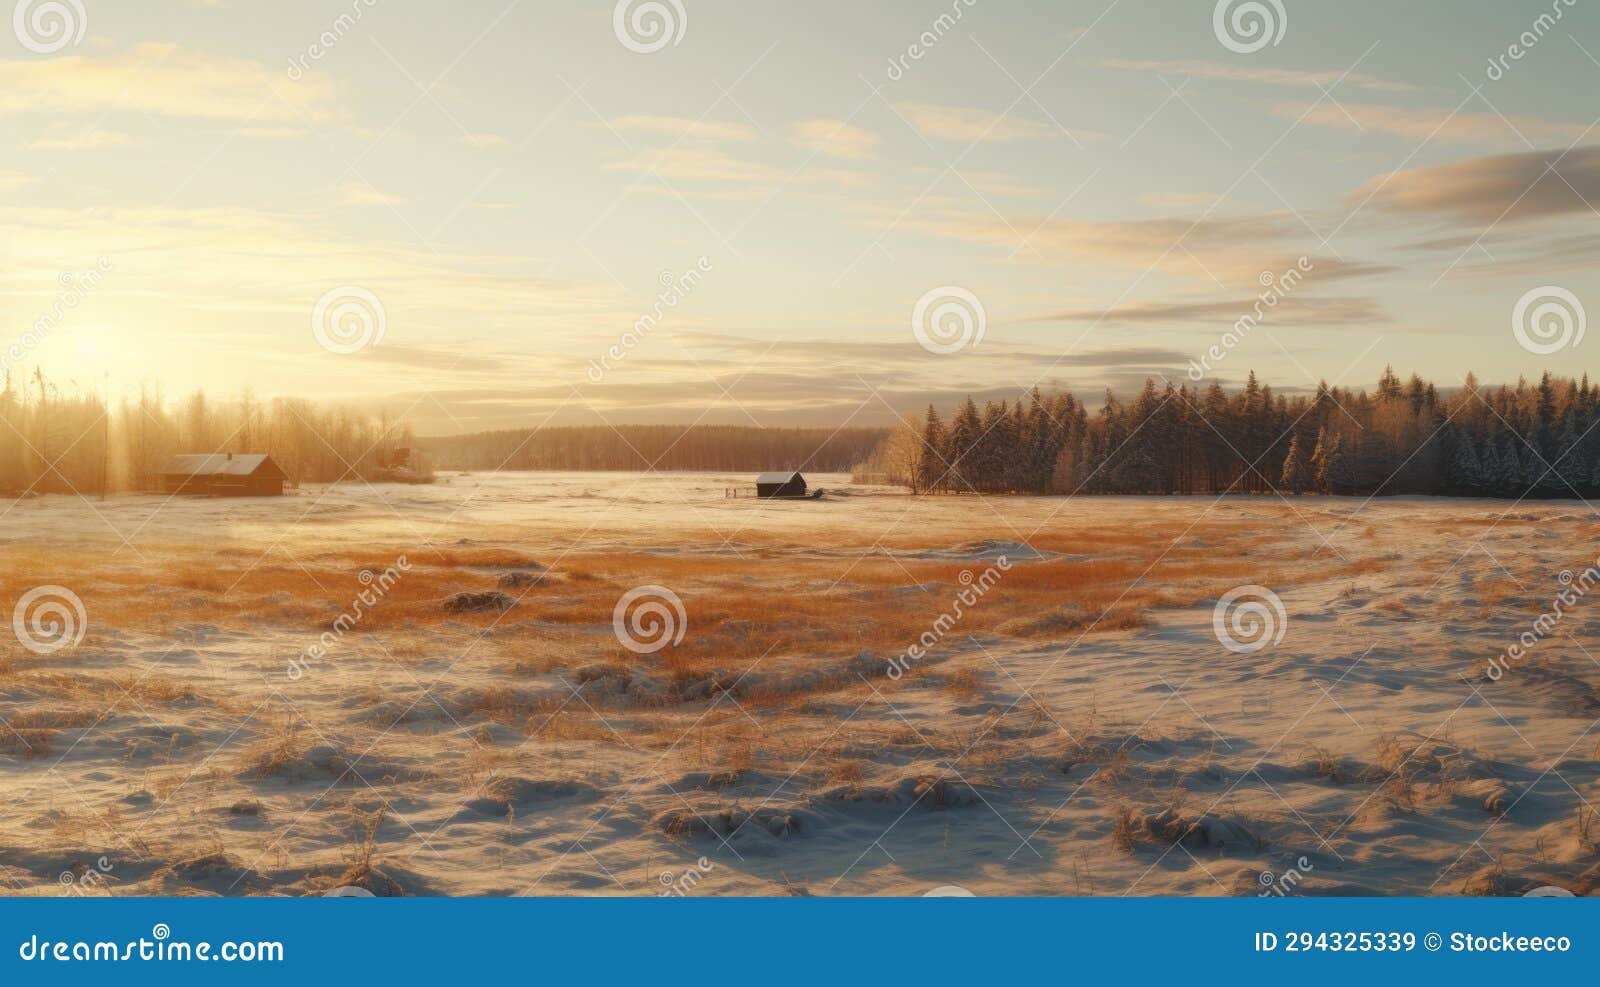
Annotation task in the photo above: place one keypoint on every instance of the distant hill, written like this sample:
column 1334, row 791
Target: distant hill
column 661, row 447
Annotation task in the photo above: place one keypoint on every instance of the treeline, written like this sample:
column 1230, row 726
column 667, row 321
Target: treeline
column 1535, row 440
column 64, row 441
column 662, row 447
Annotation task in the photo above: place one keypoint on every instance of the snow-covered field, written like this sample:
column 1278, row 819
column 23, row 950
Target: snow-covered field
column 282, row 696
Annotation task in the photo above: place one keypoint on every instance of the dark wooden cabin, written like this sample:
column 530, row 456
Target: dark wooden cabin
column 223, row 474
column 780, row 485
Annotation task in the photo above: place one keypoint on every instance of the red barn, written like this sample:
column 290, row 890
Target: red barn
column 223, row 474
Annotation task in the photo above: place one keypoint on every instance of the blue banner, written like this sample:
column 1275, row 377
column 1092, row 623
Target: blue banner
column 791, row 941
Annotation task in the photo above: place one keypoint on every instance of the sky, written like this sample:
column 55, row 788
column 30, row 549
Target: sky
column 824, row 214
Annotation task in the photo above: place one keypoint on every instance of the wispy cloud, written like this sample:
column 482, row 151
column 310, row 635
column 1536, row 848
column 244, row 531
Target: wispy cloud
column 1419, row 123
column 834, row 139
column 162, row 79
column 64, row 139
column 1508, row 187
column 1293, row 311
column 1259, row 75
column 272, row 133
column 964, row 123
column 362, row 194
column 684, row 127
column 1232, row 250
column 714, row 173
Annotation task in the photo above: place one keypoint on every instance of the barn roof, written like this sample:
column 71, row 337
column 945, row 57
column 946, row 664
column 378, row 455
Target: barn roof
column 217, row 464
column 783, row 477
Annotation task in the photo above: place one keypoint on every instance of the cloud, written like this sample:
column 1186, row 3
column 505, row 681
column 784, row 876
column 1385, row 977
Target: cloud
column 1289, row 311
column 827, row 354
column 1229, row 72
column 1423, row 123
column 1138, row 242
column 961, row 123
column 484, row 140
column 162, row 79
column 362, row 194
column 459, row 360
column 1509, row 187
column 10, row 180
column 833, row 138
column 684, row 127
column 257, row 275
column 1233, row 250
column 717, row 174
column 271, row 133
column 701, row 164
column 58, row 139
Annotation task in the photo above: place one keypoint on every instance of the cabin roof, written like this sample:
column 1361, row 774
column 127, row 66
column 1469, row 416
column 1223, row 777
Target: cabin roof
column 783, row 477
column 218, row 464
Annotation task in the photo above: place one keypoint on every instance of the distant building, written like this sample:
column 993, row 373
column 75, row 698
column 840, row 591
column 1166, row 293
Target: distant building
column 223, row 474
column 780, row 485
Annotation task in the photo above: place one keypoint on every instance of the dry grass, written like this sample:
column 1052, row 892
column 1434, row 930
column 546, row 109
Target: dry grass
column 1323, row 763
column 284, row 746
column 963, row 683
column 1585, row 828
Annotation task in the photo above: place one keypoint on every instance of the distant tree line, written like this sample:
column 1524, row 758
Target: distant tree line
column 1532, row 439
column 55, row 440
column 662, row 447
